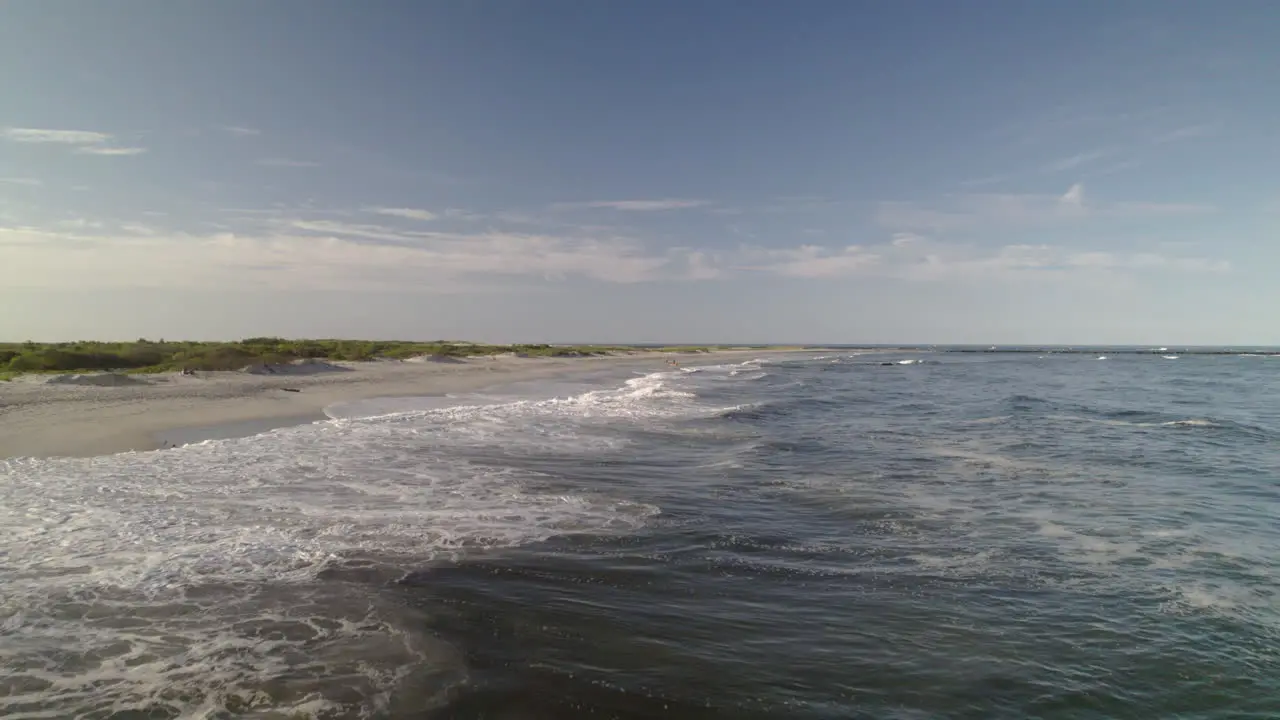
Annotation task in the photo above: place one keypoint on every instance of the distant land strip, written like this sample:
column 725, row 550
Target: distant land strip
column 156, row 356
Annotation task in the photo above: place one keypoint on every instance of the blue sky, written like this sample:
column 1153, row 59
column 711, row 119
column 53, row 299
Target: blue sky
column 721, row 170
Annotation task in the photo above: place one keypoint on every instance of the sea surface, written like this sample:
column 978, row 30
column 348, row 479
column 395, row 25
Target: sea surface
column 841, row 535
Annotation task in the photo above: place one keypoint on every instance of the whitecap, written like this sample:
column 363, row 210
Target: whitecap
column 1191, row 422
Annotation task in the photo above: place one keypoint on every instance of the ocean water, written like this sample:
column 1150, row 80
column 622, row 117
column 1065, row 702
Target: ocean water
column 946, row 535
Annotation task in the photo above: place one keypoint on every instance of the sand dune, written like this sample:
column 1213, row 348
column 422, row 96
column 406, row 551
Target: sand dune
column 96, row 379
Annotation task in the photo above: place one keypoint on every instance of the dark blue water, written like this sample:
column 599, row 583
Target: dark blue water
column 968, row 536
column 995, row 536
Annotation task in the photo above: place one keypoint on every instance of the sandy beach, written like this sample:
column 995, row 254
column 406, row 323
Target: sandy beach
column 42, row 417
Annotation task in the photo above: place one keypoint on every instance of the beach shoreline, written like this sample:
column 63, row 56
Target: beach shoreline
column 38, row 419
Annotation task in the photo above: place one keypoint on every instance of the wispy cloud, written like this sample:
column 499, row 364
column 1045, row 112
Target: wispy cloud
column 1123, row 133
column 241, row 131
column 1078, row 120
column 139, row 229
column 991, row 211
column 608, row 258
column 1075, row 161
column 1073, row 197
column 799, row 204
column 81, row 224
column 63, row 137
column 320, row 255
column 917, row 258
column 813, row 261
column 286, row 163
column 84, row 141
column 301, row 246
column 109, row 151
column 1137, row 208
column 356, row 230
column 407, row 213
column 1113, row 168
column 634, row 205
column 29, row 182
column 987, row 180
column 312, row 254
column 1183, row 133
column 461, row 214
column 1145, row 261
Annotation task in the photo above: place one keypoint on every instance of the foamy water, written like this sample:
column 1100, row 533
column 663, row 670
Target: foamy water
column 190, row 577
column 840, row 535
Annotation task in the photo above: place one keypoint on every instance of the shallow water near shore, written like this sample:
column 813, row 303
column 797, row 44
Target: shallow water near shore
column 807, row 536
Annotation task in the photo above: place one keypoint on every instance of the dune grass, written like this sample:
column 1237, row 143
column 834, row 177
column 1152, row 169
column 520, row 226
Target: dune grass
column 144, row 356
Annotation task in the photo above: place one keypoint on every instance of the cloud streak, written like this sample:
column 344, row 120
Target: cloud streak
column 287, row 163
column 109, row 151
column 406, row 213
column 302, row 253
column 662, row 205
column 969, row 212
column 60, row 137
column 914, row 258
column 319, row 256
column 1183, row 133
column 814, row 261
column 1075, row 161
column 85, row 142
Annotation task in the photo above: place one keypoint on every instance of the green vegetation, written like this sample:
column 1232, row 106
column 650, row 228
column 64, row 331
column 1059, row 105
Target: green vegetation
column 164, row 356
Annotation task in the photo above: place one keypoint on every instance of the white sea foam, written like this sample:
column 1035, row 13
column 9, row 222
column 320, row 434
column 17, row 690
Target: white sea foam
column 725, row 368
column 377, row 407
column 1191, row 422
column 992, row 420
column 191, row 577
column 1185, row 422
column 196, row 571
column 1223, row 599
